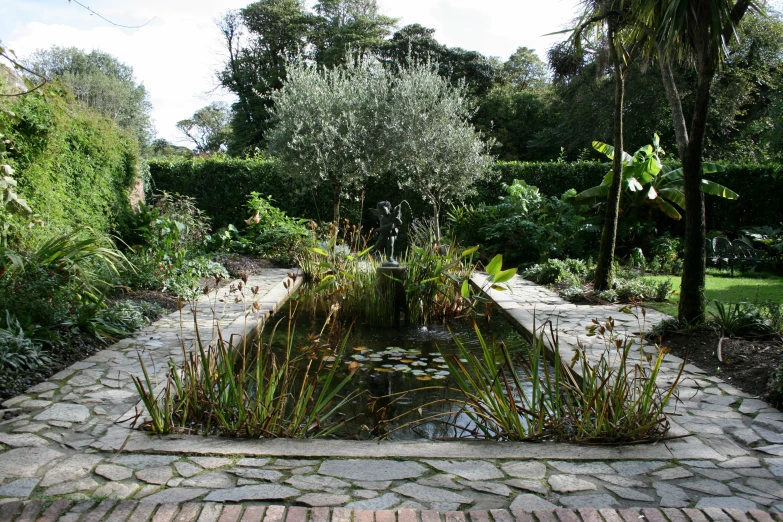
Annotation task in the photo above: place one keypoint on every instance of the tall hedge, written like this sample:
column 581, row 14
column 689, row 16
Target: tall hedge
column 221, row 185
column 74, row 167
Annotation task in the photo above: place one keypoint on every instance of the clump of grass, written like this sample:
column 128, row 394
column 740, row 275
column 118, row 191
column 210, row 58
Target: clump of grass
column 345, row 273
column 245, row 390
column 615, row 400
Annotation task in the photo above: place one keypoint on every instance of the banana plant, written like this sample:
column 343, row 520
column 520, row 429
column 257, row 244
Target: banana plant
column 647, row 182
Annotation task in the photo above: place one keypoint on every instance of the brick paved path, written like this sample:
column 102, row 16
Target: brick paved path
column 131, row 511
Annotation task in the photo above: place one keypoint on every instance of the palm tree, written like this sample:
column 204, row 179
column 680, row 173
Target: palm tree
column 696, row 32
column 611, row 18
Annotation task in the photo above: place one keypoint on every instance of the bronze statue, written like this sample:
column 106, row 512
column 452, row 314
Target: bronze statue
column 388, row 230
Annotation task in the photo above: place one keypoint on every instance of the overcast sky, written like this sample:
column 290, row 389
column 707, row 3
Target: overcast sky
column 176, row 55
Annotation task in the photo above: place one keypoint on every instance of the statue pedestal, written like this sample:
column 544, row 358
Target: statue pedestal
column 391, row 283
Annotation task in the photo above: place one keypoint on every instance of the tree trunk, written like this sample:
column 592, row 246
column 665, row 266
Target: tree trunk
column 691, row 309
column 436, row 220
column 336, row 203
column 604, row 270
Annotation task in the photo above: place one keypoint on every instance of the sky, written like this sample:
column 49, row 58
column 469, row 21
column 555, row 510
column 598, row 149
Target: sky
column 177, row 54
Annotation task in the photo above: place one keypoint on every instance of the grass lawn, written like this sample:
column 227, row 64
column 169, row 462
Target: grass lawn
column 746, row 287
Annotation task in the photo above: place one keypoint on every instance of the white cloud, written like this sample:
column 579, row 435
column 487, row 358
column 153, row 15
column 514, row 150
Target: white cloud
column 177, row 54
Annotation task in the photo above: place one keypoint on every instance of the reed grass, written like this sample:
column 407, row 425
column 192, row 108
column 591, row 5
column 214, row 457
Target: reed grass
column 244, row 389
column 614, row 400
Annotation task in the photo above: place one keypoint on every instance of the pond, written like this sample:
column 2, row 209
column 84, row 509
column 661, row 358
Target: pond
column 404, row 376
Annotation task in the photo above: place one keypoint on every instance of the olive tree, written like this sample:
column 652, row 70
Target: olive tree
column 433, row 148
column 327, row 126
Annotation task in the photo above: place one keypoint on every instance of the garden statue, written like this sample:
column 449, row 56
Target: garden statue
column 387, row 231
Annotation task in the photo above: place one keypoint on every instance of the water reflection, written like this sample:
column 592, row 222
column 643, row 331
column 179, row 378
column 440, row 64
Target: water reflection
column 405, row 376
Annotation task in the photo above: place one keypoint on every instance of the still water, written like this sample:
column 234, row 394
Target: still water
column 403, row 374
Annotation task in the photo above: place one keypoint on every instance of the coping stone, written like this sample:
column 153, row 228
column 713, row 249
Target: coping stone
column 371, row 469
column 258, row 492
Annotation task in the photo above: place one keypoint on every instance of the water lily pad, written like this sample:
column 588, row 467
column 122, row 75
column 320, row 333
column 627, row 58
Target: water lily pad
column 418, row 363
column 384, row 370
column 359, row 357
column 360, row 348
column 439, row 360
column 424, row 378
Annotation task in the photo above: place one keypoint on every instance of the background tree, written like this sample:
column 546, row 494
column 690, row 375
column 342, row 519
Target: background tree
column 434, row 149
column 162, row 148
column 259, row 39
column 209, row 127
column 348, row 28
column 524, row 70
column 101, row 82
column 328, row 126
column 608, row 19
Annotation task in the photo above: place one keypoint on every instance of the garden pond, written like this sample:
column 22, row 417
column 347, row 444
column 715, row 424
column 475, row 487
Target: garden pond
column 403, row 373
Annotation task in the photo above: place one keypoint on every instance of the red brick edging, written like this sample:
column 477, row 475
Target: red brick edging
column 134, row 511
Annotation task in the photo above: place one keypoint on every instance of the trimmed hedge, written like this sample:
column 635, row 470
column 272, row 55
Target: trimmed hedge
column 221, row 185
column 74, row 167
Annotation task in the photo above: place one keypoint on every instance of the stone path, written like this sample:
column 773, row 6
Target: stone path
column 70, row 441
column 134, row 511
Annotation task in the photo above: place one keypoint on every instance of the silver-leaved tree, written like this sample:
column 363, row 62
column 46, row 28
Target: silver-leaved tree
column 338, row 127
column 433, row 147
column 327, row 126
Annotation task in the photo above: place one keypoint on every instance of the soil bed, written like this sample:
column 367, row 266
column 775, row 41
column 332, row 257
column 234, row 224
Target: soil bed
column 747, row 363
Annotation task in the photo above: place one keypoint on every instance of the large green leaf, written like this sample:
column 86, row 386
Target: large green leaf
column 716, row 189
column 494, row 266
column 667, row 209
column 674, row 195
column 608, row 151
column 505, row 275
column 592, row 195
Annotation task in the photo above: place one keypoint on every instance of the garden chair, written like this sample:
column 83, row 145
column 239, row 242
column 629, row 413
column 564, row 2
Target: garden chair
column 720, row 253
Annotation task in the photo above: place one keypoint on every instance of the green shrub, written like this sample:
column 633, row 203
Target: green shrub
column 269, row 232
column 130, row 315
column 739, row 319
column 558, row 271
column 640, row 289
column 220, row 185
column 17, row 351
column 526, row 227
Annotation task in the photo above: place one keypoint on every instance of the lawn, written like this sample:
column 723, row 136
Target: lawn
column 748, row 287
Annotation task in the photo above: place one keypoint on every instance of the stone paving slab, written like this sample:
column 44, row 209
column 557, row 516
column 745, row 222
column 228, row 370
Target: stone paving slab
column 67, row 443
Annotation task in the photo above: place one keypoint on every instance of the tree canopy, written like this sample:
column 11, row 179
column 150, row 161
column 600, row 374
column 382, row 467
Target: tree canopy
column 101, row 82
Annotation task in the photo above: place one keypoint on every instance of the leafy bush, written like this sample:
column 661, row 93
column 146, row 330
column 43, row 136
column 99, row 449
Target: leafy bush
column 640, row 289
column 525, row 227
column 64, row 275
column 739, row 319
column 172, row 232
column 130, row 315
column 270, row 233
column 18, row 352
column 220, row 184
column 554, row 271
